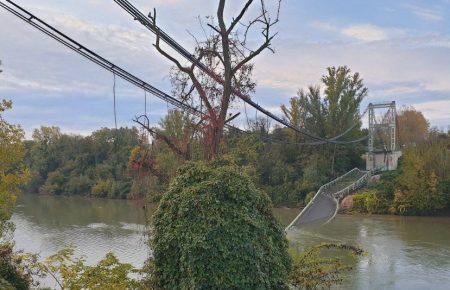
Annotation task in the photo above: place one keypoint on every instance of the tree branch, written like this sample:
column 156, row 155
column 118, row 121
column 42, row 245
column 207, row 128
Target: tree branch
column 253, row 54
column 163, row 52
column 239, row 17
column 162, row 137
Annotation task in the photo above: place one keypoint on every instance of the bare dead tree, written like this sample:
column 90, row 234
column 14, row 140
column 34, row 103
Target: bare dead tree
column 228, row 59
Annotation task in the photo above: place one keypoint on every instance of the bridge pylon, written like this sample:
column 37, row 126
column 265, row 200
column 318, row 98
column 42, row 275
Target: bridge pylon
column 382, row 152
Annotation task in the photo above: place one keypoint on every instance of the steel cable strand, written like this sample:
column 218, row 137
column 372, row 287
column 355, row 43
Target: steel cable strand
column 149, row 24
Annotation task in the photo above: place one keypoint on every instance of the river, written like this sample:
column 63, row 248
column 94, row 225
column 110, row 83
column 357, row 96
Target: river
column 402, row 252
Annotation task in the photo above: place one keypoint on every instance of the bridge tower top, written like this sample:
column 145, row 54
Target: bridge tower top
column 382, row 151
column 382, row 128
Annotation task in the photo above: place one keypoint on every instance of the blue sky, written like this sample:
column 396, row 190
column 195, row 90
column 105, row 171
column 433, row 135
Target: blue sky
column 401, row 49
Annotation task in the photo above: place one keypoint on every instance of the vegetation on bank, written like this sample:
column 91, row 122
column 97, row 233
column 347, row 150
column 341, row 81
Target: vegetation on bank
column 14, row 274
column 96, row 165
column 420, row 186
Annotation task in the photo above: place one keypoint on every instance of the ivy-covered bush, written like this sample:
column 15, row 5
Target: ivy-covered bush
column 214, row 230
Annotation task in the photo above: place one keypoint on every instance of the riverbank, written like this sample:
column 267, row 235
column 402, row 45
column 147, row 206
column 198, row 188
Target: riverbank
column 348, row 206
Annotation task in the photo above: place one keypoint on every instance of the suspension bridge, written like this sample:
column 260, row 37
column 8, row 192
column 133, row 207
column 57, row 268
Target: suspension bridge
column 325, row 204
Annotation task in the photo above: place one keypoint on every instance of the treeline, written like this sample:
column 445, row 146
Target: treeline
column 123, row 164
column 96, row 165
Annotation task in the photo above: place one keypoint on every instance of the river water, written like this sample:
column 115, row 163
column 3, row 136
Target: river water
column 402, row 252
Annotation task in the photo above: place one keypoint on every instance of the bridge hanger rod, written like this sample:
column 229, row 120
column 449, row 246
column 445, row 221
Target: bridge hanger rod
column 67, row 41
column 144, row 20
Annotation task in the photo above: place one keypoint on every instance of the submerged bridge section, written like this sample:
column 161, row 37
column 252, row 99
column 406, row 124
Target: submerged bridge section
column 324, row 206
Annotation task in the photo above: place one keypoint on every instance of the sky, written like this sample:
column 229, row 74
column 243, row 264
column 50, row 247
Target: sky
column 400, row 48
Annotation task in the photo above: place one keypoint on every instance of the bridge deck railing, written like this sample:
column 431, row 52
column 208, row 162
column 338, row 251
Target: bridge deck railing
column 358, row 180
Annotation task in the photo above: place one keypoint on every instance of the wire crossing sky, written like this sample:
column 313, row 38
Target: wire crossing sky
column 401, row 49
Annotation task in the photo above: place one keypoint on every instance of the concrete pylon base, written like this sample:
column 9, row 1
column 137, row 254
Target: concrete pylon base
column 383, row 161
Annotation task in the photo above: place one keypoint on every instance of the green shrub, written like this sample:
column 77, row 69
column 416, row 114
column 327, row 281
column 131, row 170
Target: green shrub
column 214, row 230
column 14, row 274
column 323, row 266
column 359, row 203
column 370, row 201
column 101, row 188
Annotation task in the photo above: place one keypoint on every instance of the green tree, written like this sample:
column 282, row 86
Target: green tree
column 214, row 230
column 337, row 109
column 295, row 114
column 13, row 174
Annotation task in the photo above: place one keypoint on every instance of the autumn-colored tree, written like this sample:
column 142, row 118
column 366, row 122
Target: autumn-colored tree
column 412, row 127
column 13, row 174
column 328, row 112
column 421, row 184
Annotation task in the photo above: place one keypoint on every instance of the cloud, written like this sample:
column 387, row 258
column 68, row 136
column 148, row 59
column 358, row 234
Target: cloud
column 410, row 70
column 51, row 85
column 365, row 32
column 436, row 111
column 62, row 71
column 427, row 14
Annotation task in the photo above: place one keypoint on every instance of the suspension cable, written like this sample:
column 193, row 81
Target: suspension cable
column 70, row 43
column 67, row 41
column 150, row 25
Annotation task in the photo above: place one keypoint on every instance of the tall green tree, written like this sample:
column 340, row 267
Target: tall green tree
column 327, row 110
column 337, row 109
